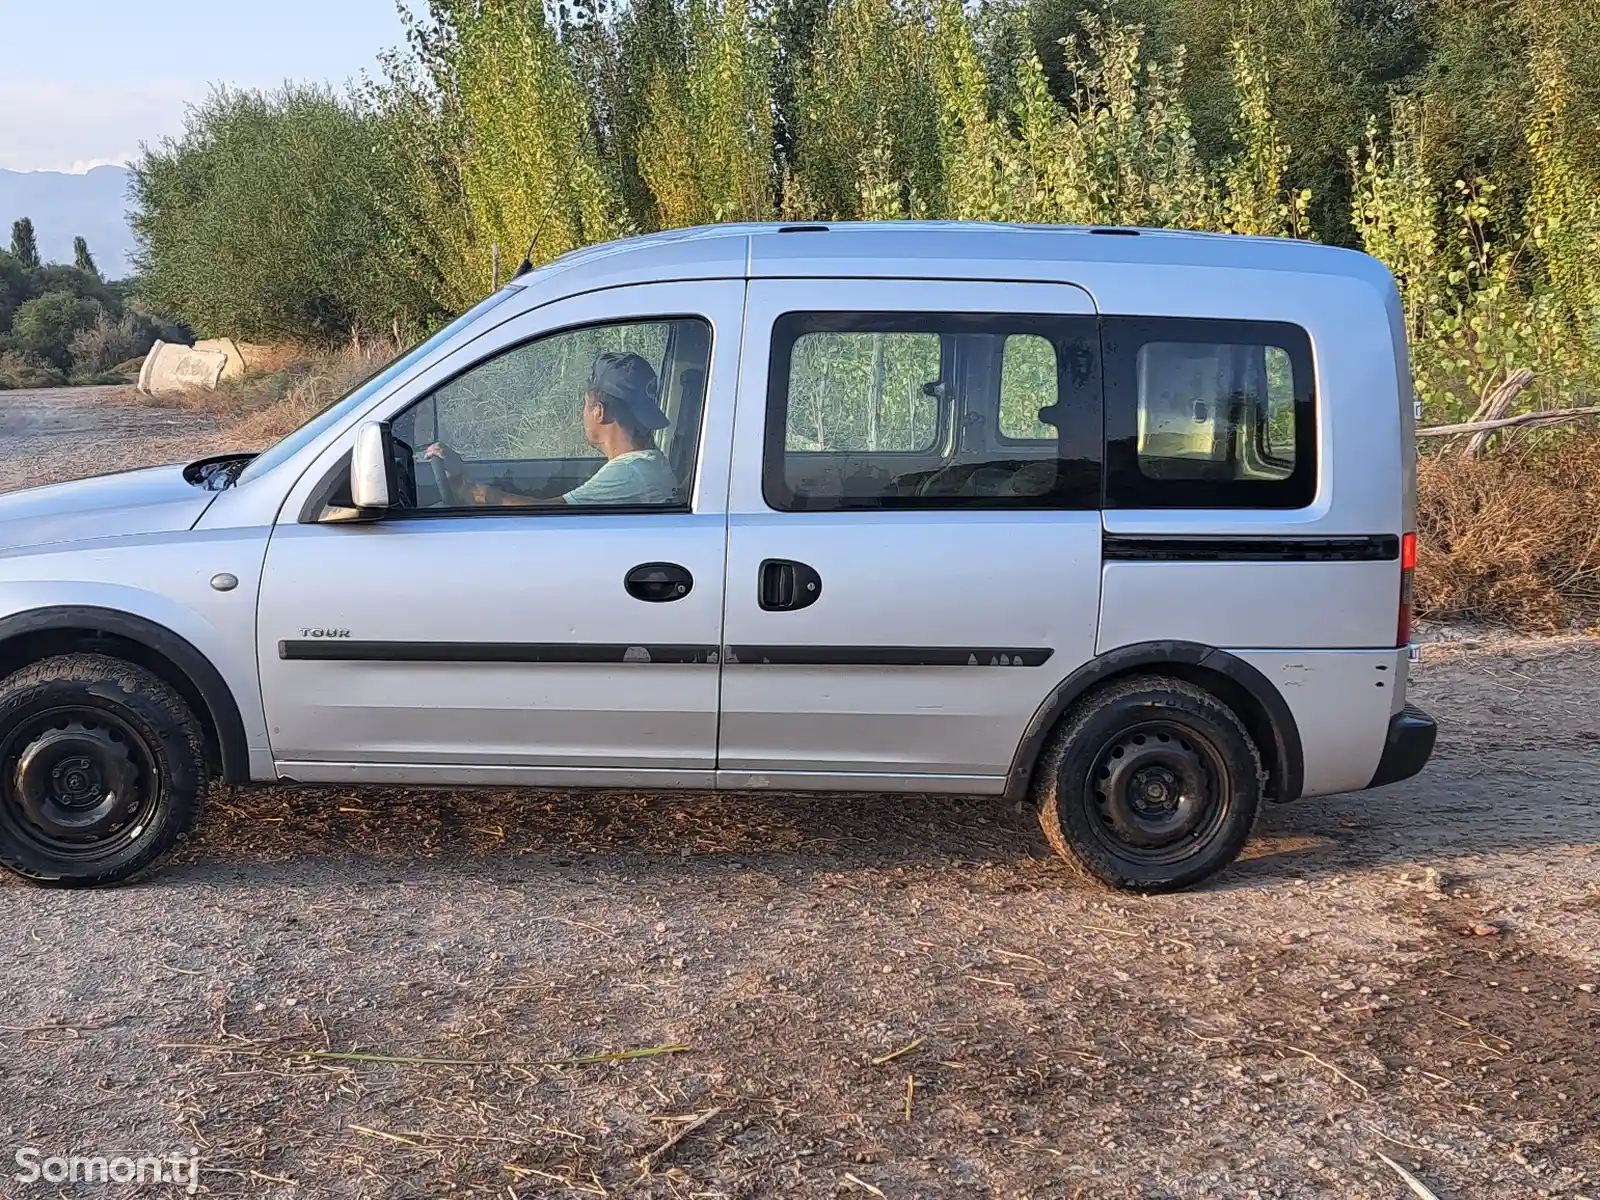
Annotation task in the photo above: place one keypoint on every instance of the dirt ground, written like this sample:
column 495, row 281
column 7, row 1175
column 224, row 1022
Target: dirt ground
column 872, row 997
column 67, row 433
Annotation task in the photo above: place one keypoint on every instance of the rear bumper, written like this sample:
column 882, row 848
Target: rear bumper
column 1406, row 749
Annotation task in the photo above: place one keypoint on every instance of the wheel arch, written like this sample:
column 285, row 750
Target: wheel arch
column 1232, row 680
column 27, row 637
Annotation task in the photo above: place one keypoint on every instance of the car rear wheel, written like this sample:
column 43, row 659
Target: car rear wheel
column 1150, row 785
column 102, row 770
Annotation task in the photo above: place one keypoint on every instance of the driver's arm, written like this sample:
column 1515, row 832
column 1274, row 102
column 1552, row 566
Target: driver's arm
column 489, row 496
column 483, row 495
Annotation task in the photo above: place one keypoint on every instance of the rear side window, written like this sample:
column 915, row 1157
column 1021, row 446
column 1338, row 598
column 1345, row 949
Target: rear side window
column 862, row 393
column 1208, row 414
column 933, row 410
column 1027, row 373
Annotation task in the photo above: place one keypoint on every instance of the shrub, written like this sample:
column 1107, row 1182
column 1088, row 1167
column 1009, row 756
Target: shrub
column 261, row 220
column 1513, row 538
column 106, row 343
column 20, row 371
column 43, row 328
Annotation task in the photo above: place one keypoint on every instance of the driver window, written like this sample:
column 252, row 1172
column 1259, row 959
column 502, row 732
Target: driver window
column 601, row 416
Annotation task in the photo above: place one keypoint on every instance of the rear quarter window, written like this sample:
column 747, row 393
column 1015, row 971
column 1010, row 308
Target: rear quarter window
column 1209, row 414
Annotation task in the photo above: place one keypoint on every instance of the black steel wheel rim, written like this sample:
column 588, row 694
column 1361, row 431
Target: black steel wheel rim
column 77, row 783
column 1157, row 792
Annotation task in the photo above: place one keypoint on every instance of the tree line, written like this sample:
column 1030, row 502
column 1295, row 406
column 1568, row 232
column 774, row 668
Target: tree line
column 64, row 323
column 1457, row 140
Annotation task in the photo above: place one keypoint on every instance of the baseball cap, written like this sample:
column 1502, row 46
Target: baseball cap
column 630, row 381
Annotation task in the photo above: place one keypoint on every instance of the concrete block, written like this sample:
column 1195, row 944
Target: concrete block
column 172, row 368
column 231, row 350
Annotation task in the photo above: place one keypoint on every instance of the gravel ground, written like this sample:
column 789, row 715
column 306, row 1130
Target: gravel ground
column 884, row 996
column 67, row 433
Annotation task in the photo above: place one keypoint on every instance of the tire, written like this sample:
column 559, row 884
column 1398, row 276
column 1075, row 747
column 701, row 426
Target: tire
column 1149, row 785
column 102, row 770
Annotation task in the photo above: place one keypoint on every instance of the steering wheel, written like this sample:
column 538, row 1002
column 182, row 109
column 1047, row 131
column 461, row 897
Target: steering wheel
column 441, row 483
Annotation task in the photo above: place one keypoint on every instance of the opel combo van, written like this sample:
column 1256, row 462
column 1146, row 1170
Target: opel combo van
column 1116, row 521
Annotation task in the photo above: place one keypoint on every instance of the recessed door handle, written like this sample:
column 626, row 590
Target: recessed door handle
column 658, row 583
column 785, row 585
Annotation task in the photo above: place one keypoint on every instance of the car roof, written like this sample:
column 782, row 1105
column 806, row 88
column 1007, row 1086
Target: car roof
column 936, row 250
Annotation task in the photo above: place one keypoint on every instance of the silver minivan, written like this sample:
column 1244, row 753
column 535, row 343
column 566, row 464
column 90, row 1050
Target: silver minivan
column 1117, row 521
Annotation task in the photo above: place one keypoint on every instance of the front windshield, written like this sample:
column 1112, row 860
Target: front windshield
column 334, row 413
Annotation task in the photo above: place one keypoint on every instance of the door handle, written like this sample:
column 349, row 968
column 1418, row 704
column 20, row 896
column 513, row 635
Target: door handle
column 785, row 585
column 658, row 582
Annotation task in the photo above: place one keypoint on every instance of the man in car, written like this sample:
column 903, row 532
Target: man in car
column 621, row 412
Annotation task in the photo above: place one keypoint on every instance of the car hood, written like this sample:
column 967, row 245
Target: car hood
column 156, row 500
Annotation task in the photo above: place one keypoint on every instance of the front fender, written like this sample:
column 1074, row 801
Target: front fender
column 158, row 589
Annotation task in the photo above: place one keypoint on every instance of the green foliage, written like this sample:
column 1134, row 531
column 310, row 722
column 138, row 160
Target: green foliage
column 1120, row 151
column 489, row 136
column 871, row 70
column 24, row 243
column 1489, row 285
column 82, row 259
column 44, row 327
column 1255, row 200
column 1563, row 139
column 706, row 153
column 531, row 165
column 58, row 320
column 1458, row 141
column 59, row 278
column 260, row 220
column 620, row 62
column 14, row 288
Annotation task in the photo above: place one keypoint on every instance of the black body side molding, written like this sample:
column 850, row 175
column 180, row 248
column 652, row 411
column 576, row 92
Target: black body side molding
column 1125, row 547
column 187, row 669
column 345, row 650
column 888, row 656
column 1279, row 738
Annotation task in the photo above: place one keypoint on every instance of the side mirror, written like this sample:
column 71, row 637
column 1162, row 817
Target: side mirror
column 372, row 481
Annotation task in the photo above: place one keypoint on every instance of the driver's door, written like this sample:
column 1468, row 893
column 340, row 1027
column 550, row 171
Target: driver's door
column 519, row 644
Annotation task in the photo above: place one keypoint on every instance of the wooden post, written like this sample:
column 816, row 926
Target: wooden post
column 1494, row 408
column 1533, row 420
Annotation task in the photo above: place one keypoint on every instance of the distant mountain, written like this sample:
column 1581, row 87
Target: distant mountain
column 93, row 205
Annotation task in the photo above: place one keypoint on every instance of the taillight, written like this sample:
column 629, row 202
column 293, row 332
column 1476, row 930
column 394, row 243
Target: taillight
column 1408, row 564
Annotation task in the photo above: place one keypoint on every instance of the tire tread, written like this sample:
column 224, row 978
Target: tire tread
column 1092, row 861
column 158, row 705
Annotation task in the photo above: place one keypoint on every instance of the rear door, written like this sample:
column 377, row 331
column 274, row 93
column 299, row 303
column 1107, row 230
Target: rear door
column 914, row 529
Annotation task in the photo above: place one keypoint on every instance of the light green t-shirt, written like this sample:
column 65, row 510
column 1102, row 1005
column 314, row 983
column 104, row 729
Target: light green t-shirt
column 637, row 477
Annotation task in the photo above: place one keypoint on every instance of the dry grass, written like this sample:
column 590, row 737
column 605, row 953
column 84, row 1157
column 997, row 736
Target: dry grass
column 1513, row 538
column 263, row 406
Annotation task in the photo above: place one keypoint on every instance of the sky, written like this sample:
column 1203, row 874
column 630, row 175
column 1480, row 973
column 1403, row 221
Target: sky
column 84, row 82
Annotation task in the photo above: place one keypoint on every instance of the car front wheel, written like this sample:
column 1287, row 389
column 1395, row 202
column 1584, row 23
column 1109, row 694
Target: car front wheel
column 1150, row 784
column 102, row 770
